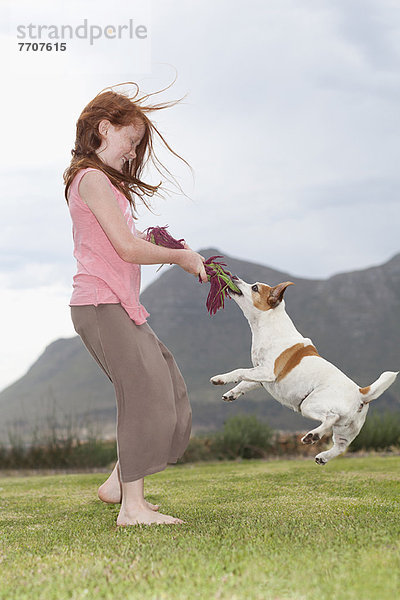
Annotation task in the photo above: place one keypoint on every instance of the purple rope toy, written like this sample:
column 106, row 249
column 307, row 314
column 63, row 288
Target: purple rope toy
column 220, row 279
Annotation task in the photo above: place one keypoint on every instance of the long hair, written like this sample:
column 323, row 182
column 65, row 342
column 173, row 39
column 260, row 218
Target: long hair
column 120, row 110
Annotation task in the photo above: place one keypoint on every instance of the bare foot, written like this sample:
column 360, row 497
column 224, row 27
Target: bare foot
column 111, row 492
column 145, row 516
column 111, row 495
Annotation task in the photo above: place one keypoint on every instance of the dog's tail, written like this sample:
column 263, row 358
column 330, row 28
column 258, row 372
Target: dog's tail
column 377, row 388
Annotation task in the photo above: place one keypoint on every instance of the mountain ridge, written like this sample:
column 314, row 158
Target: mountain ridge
column 352, row 318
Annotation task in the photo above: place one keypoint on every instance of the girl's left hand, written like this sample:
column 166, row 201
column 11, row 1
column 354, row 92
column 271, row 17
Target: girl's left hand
column 186, row 247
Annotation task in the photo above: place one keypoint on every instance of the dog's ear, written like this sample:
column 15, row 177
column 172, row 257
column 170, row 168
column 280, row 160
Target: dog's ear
column 276, row 293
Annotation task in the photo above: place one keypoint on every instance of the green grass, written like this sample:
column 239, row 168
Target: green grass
column 255, row 530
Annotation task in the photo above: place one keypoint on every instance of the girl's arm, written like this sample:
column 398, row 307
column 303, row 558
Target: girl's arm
column 95, row 191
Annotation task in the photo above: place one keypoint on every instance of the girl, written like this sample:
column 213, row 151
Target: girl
column 114, row 140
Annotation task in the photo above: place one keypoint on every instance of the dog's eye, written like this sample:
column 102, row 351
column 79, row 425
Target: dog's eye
column 254, row 288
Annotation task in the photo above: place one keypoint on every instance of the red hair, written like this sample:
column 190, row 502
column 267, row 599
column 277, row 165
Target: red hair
column 120, row 110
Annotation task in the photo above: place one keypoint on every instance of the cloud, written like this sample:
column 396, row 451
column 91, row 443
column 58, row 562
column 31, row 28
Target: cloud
column 29, row 323
column 371, row 27
column 36, row 240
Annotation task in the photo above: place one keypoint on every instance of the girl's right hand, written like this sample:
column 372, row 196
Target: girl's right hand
column 192, row 262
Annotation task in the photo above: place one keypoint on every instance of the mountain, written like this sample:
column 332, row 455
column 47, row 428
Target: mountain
column 352, row 319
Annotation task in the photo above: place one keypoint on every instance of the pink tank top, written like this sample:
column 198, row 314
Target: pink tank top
column 102, row 276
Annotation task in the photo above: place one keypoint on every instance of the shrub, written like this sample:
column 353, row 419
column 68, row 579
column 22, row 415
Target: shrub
column 57, row 451
column 199, row 448
column 242, row 436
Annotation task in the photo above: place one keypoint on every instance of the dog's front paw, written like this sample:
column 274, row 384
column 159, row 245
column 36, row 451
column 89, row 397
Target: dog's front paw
column 218, row 380
column 320, row 460
column 230, row 396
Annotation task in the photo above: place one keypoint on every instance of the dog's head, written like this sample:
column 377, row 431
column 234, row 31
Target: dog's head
column 256, row 299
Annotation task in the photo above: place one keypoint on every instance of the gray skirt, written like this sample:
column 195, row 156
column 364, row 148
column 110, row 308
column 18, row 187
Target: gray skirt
column 154, row 417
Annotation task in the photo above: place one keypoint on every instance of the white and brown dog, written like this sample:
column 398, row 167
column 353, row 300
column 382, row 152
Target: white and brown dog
column 289, row 367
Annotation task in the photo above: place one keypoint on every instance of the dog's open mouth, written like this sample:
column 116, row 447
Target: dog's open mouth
column 235, row 291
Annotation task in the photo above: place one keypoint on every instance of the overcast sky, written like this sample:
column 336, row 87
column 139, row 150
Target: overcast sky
column 291, row 125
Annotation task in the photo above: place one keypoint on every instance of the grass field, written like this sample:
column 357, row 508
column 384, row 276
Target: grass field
column 255, row 530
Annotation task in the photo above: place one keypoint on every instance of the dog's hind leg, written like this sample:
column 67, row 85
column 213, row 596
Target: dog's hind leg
column 340, row 443
column 241, row 388
column 326, row 427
